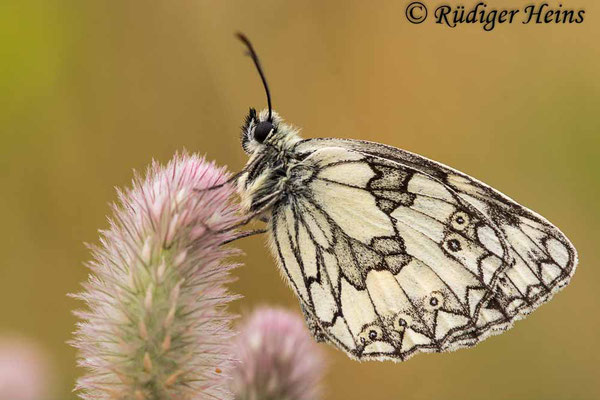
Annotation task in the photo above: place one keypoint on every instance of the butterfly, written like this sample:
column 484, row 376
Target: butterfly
column 389, row 253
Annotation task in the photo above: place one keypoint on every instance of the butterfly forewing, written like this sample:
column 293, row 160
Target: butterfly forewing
column 392, row 254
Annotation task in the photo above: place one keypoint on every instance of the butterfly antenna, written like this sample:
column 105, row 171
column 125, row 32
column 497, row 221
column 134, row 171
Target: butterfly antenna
column 252, row 54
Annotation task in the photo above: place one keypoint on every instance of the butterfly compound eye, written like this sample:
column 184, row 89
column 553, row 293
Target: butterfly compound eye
column 262, row 130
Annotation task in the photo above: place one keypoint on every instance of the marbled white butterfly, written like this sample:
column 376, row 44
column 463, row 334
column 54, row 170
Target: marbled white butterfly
column 389, row 253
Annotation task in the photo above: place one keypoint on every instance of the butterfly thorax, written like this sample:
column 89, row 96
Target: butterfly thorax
column 274, row 169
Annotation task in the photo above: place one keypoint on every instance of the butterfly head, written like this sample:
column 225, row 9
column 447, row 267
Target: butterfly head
column 260, row 131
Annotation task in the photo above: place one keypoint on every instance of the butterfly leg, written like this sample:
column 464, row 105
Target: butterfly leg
column 245, row 234
column 269, row 201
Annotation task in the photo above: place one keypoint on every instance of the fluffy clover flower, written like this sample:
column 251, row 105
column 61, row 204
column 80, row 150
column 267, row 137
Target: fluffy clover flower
column 24, row 370
column 156, row 326
column 279, row 359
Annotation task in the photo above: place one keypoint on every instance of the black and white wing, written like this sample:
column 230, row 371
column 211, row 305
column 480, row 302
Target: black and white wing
column 392, row 254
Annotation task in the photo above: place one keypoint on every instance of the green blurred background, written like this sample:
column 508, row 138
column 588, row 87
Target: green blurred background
column 90, row 90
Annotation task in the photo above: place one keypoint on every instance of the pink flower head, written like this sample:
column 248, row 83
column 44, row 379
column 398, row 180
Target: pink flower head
column 156, row 326
column 278, row 358
column 24, row 370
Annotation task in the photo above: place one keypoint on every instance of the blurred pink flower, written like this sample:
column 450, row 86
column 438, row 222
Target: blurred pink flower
column 156, row 326
column 24, row 370
column 279, row 359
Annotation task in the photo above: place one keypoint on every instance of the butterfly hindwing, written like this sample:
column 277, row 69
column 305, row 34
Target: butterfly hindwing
column 389, row 260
